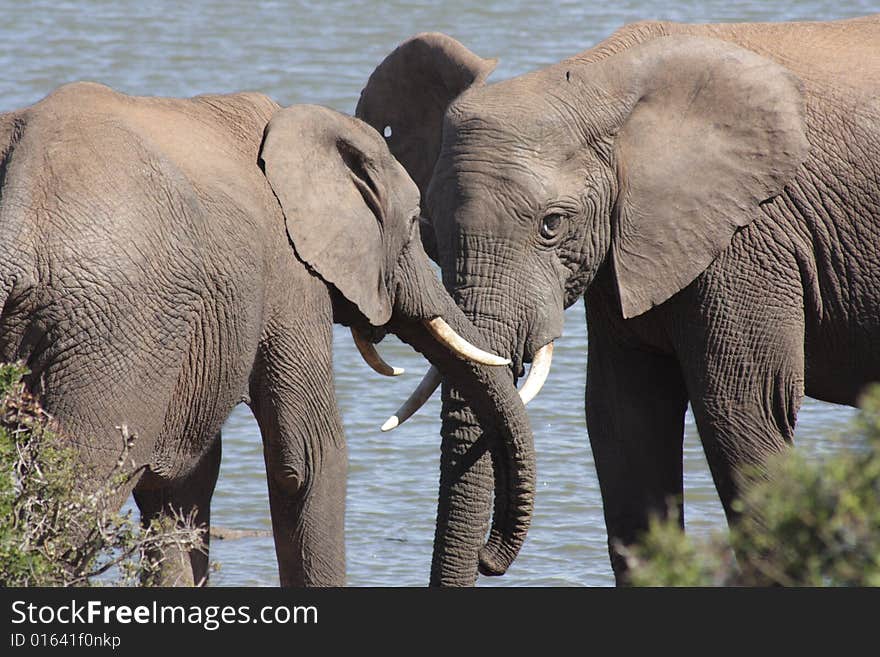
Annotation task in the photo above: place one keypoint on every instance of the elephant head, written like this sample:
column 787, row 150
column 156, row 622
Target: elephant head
column 369, row 252
column 637, row 161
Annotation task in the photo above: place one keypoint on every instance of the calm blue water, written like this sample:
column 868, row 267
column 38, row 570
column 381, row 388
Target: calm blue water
column 323, row 52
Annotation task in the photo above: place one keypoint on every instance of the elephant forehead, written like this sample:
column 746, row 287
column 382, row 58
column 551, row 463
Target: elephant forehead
column 480, row 180
column 522, row 131
column 524, row 108
column 532, row 155
column 511, row 173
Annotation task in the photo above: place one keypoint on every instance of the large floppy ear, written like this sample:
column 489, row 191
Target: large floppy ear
column 326, row 171
column 712, row 131
column 408, row 93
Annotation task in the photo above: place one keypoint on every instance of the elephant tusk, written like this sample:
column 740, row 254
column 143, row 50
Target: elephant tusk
column 372, row 357
column 446, row 336
column 416, row 400
column 537, row 373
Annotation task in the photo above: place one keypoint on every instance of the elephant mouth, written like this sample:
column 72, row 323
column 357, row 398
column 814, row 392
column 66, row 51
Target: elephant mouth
column 537, row 377
column 443, row 333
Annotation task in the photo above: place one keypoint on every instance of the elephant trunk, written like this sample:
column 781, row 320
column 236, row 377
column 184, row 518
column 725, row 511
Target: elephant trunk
column 472, row 466
column 492, row 401
column 466, row 486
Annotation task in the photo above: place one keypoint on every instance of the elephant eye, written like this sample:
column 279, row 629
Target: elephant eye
column 551, row 225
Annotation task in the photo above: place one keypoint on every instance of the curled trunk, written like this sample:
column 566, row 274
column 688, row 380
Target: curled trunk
column 495, row 403
column 466, row 487
column 492, row 401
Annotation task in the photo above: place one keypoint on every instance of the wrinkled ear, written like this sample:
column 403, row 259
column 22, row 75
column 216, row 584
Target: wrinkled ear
column 714, row 130
column 333, row 198
column 408, row 93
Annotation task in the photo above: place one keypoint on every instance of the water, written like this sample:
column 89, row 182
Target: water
column 322, row 52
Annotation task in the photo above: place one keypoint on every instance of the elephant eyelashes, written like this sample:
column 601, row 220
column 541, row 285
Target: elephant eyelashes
column 551, row 226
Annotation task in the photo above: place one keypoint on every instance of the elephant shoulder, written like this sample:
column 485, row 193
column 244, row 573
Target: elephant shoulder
column 247, row 113
column 627, row 36
column 241, row 101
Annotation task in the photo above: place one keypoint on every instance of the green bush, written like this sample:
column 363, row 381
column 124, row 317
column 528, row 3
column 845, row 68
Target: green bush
column 54, row 529
column 807, row 523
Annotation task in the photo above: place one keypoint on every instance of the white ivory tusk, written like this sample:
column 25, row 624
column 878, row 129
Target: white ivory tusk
column 446, row 336
column 416, row 400
column 537, row 373
column 372, row 357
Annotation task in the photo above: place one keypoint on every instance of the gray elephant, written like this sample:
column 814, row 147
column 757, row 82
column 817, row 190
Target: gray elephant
column 710, row 190
column 164, row 259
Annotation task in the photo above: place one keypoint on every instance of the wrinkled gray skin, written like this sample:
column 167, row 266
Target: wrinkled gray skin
column 164, row 259
column 718, row 207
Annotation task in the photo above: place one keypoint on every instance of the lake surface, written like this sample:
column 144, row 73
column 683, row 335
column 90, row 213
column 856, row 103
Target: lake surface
column 322, row 52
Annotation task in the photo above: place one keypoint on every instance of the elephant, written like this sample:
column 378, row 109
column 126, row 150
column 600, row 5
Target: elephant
column 710, row 191
column 164, row 259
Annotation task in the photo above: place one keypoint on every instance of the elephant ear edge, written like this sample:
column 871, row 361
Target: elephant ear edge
column 333, row 201
column 715, row 130
column 407, row 94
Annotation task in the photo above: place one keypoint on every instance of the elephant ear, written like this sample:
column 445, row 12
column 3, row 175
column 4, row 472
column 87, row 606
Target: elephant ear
column 324, row 168
column 714, row 130
column 408, row 93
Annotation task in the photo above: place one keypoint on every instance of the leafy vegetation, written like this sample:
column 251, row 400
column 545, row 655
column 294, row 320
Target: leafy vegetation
column 55, row 528
column 809, row 523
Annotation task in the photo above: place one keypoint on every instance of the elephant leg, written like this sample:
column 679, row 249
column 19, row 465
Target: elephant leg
column 294, row 402
column 186, row 497
column 635, row 407
column 746, row 377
